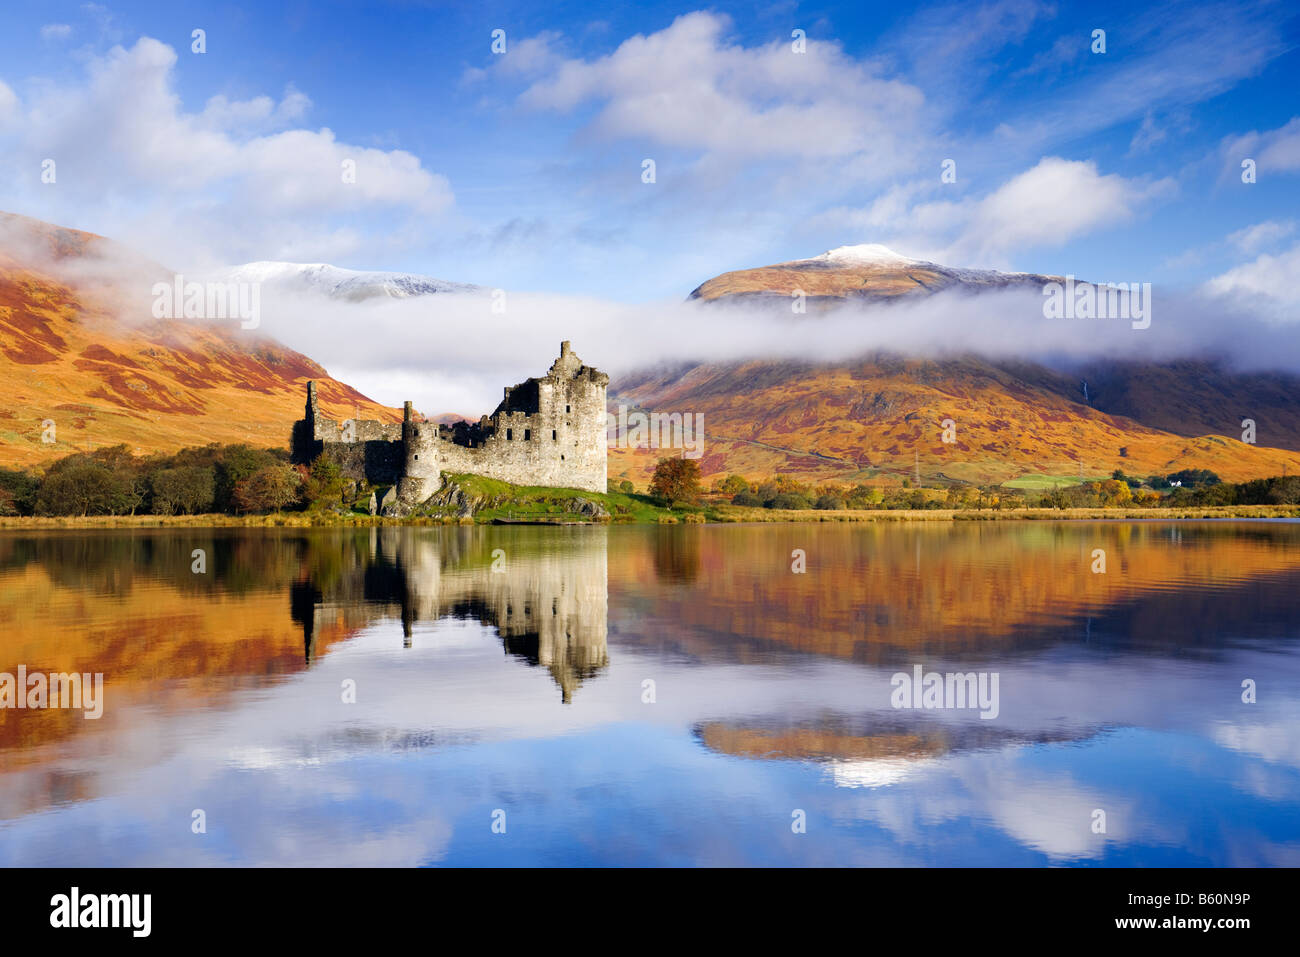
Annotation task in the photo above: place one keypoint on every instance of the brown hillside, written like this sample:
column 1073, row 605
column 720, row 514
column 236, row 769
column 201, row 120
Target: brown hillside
column 857, row 273
column 79, row 346
column 880, row 417
column 884, row 414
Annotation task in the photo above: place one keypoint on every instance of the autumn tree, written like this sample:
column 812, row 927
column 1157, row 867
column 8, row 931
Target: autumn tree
column 676, row 481
column 268, row 489
column 321, row 483
column 183, row 491
column 83, row 488
column 1114, row 492
column 236, row 464
column 733, row 485
column 17, row 492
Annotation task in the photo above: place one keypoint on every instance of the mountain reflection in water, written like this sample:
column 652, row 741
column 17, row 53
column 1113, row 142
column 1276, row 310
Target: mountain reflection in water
column 655, row 695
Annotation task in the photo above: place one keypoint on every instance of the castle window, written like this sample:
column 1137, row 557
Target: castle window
column 566, row 409
column 561, row 456
column 510, row 434
column 528, row 434
column 554, row 435
column 417, row 455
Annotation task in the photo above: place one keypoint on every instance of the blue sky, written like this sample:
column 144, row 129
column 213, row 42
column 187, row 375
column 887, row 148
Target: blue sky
column 524, row 170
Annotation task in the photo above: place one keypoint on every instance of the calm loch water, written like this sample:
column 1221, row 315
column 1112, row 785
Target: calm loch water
column 658, row 696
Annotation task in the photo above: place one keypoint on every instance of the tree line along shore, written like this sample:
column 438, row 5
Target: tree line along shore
column 241, row 485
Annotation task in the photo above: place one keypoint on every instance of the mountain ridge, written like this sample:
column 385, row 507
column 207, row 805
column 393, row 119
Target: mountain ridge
column 339, row 283
column 78, row 347
column 866, row 273
column 883, row 414
column 83, row 362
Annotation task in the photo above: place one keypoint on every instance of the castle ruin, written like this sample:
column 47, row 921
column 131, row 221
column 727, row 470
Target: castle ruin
column 549, row 606
column 546, row 431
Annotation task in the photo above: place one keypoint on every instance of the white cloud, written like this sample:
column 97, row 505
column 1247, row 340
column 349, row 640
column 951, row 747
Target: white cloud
column 1157, row 63
column 1048, row 205
column 533, row 55
column 1252, row 239
column 1249, row 240
column 952, row 43
column 688, row 87
column 843, row 148
column 1274, row 151
column 1281, row 148
column 390, row 362
column 225, row 184
column 1065, row 51
column 1267, row 284
column 1147, row 135
column 8, row 104
column 222, row 113
column 1155, row 132
column 56, row 31
column 104, row 20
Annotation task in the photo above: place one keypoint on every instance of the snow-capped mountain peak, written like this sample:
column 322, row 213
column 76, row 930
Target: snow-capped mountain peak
column 864, row 253
column 339, row 283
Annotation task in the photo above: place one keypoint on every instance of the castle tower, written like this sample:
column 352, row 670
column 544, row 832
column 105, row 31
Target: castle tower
column 304, row 440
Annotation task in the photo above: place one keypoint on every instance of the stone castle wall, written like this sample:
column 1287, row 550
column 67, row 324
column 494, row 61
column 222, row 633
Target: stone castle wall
column 363, row 449
column 549, row 606
column 546, row 431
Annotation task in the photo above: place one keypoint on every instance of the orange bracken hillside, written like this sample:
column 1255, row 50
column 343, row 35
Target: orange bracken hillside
column 880, row 417
column 80, row 348
column 883, row 416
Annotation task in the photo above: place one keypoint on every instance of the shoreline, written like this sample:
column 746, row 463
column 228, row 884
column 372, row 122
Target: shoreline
column 719, row 515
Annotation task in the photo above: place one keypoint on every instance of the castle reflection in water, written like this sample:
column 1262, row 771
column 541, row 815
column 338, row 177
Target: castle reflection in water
column 546, row 597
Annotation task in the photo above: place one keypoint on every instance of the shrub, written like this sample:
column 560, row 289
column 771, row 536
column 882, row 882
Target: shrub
column 17, row 492
column 1217, row 494
column 733, row 485
column 863, row 496
column 1056, row 498
column 1285, row 491
column 1194, row 478
column 789, row 500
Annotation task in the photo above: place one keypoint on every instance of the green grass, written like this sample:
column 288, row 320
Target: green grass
column 497, row 499
column 1041, row 482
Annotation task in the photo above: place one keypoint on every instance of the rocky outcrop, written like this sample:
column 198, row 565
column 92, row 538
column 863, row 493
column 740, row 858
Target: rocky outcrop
column 468, row 499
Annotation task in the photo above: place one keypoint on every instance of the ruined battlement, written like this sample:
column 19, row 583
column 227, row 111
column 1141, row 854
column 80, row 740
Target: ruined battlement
column 548, row 430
